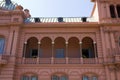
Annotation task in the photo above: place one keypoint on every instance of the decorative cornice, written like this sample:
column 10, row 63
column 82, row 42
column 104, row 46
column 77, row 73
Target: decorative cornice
column 12, row 24
column 10, row 13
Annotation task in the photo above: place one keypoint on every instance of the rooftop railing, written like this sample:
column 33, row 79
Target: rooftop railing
column 59, row 19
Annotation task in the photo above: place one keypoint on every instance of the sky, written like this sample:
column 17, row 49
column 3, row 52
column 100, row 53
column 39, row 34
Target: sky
column 57, row 8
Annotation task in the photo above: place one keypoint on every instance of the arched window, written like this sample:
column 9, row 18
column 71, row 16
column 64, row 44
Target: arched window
column 59, row 47
column 59, row 76
column 112, row 11
column 88, row 48
column 85, row 78
column 118, row 10
column 94, row 78
column 29, row 77
column 2, row 44
column 64, row 78
column 89, row 76
column 54, row 77
column 25, row 78
column 32, row 48
column 34, row 78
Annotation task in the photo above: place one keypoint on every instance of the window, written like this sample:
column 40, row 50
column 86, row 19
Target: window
column 25, row 78
column 29, row 78
column 87, row 53
column 64, row 78
column 60, row 53
column 34, row 78
column 94, row 78
column 85, row 78
column 112, row 11
column 34, row 53
column 90, row 77
column 2, row 43
column 55, row 77
column 118, row 10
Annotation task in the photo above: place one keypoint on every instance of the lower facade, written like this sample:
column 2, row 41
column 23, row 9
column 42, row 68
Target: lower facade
column 59, row 72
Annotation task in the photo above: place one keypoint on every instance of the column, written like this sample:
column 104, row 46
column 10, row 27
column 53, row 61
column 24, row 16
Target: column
column 66, row 52
column 66, row 49
column 116, row 11
column 103, row 44
column 25, row 45
column 81, row 58
column 95, row 49
column 112, row 42
column 80, row 43
column 108, row 10
column 107, row 42
column 107, row 73
column 38, row 52
column 39, row 49
column 52, row 59
column 53, row 49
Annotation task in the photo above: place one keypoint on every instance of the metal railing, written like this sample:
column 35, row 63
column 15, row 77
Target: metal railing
column 59, row 19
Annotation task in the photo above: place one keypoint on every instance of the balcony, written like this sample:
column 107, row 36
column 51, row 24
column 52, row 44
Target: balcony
column 60, row 61
column 3, row 59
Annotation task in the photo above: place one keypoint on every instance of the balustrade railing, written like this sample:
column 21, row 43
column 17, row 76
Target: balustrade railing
column 64, row 60
column 44, row 60
column 59, row 60
column 89, row 61
column 30, row 61
column 75, row 60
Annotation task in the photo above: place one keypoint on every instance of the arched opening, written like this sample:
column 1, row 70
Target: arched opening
column 46, row 48
column 34, row 77
column 25, row 77
column 59, row 76
column 59, row 48
column 32, row 48
column 89, row 76
column 2, row 44
column 112, row 11
column 29, row 76
column 73, row 48
column 88, row 48
column 118, row 10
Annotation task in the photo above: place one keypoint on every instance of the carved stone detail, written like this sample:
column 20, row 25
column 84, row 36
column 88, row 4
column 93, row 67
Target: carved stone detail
column 115, row 67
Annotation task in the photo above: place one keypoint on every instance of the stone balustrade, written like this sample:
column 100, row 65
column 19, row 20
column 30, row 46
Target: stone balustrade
column 60, row 61
column 100, row 60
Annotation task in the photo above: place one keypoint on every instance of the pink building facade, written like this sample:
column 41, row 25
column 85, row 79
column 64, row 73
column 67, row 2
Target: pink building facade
column 60, row 48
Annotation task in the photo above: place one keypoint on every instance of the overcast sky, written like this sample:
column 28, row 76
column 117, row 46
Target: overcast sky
column 57, row 8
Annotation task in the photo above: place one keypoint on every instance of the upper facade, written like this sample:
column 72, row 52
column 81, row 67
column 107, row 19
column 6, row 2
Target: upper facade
column 60, row 48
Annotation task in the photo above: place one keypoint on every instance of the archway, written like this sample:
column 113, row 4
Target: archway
column 88, row 48
column 73, row 48
column 46, row 48
column 118, row 10
column 59, row 48
column 32, row 48
column 59, row 76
